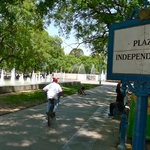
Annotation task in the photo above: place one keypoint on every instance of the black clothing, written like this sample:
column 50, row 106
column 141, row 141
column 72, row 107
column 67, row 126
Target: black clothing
column 119, row 101
column 119, row 97
column 119, row 105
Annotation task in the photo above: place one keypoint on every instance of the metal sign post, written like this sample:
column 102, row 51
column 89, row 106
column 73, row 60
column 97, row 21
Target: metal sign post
column 129, row 61
column 140, row 122
column 141, row 90
column 100, row 73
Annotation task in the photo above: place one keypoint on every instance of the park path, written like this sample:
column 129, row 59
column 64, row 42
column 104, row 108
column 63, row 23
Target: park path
column 80, row 123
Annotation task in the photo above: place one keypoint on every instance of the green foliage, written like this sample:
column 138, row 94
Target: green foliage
column 76, row 52
column 90, row 19
column 18, row 22
column 25, row 45
column 23, row 97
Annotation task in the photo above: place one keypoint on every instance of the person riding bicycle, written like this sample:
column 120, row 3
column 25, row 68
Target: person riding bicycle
column 53, row 91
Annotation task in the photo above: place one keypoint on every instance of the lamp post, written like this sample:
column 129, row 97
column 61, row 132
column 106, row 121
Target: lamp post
column 100, row 72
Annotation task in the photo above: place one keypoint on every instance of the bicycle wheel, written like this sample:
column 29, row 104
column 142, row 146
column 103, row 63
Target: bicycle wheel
column 50, row 113
column 49, row 119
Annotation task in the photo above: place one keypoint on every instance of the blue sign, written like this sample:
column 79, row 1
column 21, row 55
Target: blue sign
column 129, row 51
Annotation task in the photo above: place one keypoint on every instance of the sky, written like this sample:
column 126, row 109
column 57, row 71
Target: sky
column 68, row 44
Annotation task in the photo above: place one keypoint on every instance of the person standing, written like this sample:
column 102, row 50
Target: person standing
column 52, row 90
column 119, row 100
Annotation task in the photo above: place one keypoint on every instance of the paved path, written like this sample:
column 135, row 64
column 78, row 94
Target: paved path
column 81, row 123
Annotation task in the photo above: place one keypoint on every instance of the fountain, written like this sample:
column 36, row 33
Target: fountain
column 81, row 73
column 39, row 77
column 21, row 79
column 48, row 78
column 63, row 76
column 33, row 77
column 92, row 69
column 37, row 81
column 103, row 75
column 28, row 80
column 2, row 77
column 14, row 85
column 81, row 69
column 74, row 68
column 12, row 79
column 92, row 73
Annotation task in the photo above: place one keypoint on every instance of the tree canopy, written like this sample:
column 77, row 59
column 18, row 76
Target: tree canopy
column 25, row 45
column 90, row 19
column 76, row 52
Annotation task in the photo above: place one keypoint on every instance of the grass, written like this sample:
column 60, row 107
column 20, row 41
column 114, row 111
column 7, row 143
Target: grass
column 37, row 96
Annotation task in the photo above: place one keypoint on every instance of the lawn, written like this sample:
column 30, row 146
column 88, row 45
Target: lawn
column 37, row 96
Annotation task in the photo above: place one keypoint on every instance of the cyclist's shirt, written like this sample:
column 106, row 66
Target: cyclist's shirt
column 52, row 90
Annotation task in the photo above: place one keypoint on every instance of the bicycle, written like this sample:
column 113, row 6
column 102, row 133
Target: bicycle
column 54, row 103
column 50, row 114
column 49, row 119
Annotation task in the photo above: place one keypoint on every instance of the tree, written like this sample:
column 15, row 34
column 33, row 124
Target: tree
column 70, row 61
column 18, row 21
column 90, row 19
column 50, row 52
column 76, row 52
column 24, row 43
column 100, row 61
column 88, row 62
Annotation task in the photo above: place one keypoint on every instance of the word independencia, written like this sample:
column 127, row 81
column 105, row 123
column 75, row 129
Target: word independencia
column 134, row 56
